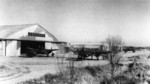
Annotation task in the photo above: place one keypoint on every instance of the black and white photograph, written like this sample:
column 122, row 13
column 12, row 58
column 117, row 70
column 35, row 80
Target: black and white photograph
column 74, row 42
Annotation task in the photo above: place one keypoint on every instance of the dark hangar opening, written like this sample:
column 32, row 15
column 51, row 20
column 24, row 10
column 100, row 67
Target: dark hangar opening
column 31, row 44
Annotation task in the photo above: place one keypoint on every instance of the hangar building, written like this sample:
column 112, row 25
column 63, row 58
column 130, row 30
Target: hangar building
column 14, row 39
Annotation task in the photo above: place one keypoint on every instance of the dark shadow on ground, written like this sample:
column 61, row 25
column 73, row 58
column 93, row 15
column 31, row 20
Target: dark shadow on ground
column 37, row 56
column 72, row 59
column 61, row 57
column 75, row 59
column 93, row 59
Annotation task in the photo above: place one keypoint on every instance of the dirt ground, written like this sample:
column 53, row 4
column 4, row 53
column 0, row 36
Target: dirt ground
column 28, row 68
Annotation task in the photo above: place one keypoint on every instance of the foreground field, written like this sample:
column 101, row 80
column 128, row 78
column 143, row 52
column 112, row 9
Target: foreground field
column 21, row 68
column 29, row 68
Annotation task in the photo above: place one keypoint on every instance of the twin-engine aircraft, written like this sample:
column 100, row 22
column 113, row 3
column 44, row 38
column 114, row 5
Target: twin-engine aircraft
column 90, row 49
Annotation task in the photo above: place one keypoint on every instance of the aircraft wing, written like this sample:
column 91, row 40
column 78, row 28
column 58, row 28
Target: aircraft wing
column 51, row 49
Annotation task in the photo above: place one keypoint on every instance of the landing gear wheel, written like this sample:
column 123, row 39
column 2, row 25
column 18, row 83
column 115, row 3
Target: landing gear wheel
column 52, row 54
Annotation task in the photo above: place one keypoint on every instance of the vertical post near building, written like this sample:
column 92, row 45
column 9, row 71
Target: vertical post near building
column 4, row 47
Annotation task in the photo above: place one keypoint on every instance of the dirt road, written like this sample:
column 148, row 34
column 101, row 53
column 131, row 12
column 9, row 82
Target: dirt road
column 29, row 68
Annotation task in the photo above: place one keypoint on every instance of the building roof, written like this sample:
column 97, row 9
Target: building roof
column 19, row 32
column 88, row 44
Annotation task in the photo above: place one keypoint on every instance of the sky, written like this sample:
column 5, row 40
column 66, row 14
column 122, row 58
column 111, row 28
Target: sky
column 83, row 20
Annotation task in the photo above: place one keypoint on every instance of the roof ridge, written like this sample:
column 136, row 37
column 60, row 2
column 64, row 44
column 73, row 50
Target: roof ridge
column 18, row 24
column 48, row 32
column 9, row 30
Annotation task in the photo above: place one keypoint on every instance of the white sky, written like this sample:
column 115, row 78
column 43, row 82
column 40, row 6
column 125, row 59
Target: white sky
column 83, row 20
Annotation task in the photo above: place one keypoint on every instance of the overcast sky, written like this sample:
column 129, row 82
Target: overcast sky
column 83, row 20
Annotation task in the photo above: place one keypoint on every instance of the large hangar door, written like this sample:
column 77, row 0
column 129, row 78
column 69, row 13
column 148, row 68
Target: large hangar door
column 31, row 44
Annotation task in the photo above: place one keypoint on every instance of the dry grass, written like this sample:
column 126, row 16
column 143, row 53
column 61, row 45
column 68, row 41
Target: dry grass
column 84, row 75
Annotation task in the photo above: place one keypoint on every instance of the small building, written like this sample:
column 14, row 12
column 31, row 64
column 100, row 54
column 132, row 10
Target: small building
column 15, row 39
